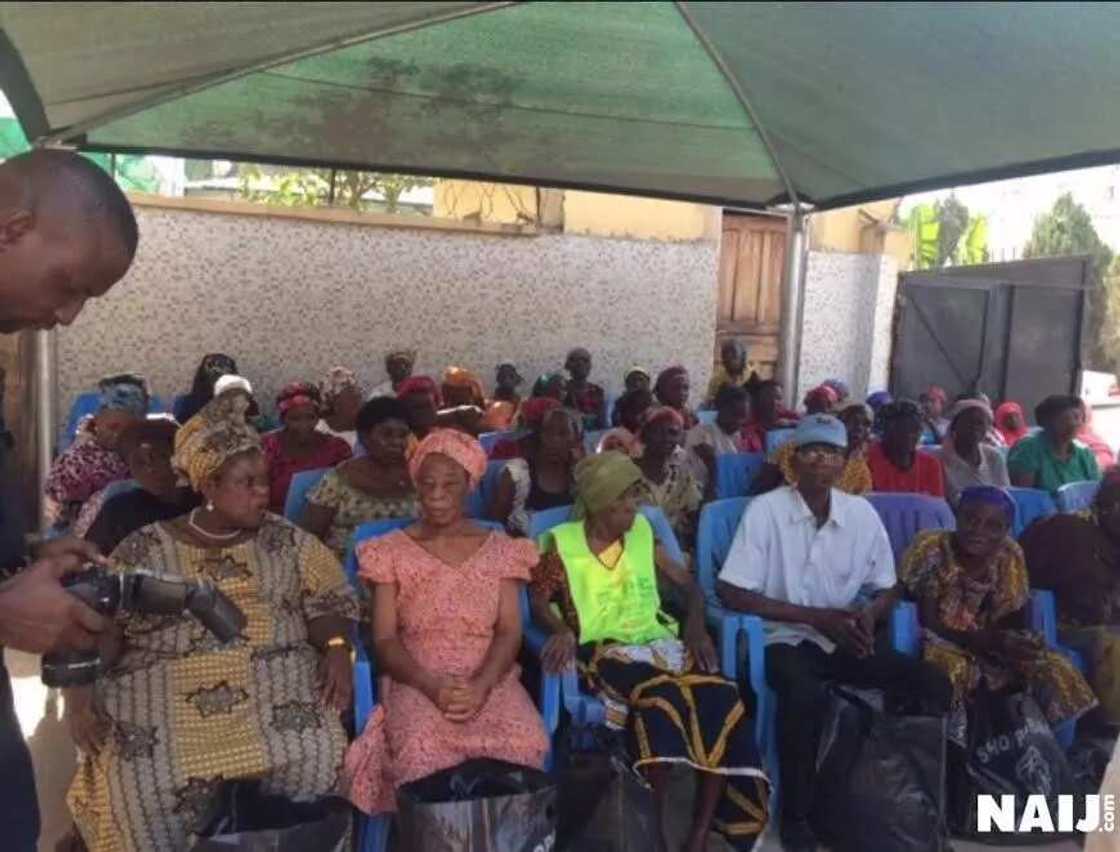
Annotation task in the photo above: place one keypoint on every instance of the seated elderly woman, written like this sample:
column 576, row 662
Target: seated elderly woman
column 667, row 479
column 370, row 487
column 733, row 369
column 464, row 402
column 177, row 714
column 399, row 364
column 966, row 458
column 157, row 495
column 1078, row 557
column 446, row 629
column 971, row 590
column 1053, row 457
column 93, row 460
column 501, row 410
column 297, row 445
column 895, row 462
column 542, row 478
column 767, row 413
column 624, row 436
column 705, row 441
column 672, row 389
column 855, row 478
column 602, row 572
column 342, row 399
column 1011, row 423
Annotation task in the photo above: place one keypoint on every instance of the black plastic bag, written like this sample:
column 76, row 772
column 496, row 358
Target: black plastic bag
column 880, row 779
column 245, row 819
column 1011, row 751
column 605, row 806
column 478, row 806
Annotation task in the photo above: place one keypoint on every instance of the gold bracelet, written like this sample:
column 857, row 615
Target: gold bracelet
column 337, row 642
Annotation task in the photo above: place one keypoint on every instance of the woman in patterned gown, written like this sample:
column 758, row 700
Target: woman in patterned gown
column 177, row 713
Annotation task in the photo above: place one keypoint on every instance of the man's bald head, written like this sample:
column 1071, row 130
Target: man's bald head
column 67, row 234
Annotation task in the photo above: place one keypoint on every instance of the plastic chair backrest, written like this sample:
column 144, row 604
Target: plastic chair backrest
column 707, row 416
column 718, row 522
column 1030, row 505
column 478, row 502
column 735, row 472
column 777, row 438
column 489, row 440
column 1076, row 496
column 302, row 483
column 1043, row 615
column 541, row 522
column 905, row 515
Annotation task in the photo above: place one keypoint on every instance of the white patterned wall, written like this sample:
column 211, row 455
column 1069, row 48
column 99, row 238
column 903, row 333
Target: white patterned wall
column 290, row 298
column 849, row 304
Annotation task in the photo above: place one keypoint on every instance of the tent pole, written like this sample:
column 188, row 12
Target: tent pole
column 46, row 411
column 793, row 307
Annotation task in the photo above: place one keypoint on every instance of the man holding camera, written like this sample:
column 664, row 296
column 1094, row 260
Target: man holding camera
column 67, row 234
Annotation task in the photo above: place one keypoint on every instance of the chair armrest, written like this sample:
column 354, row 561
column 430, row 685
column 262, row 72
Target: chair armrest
column 534, row 638
column 364, row 696
column 904, row 628
column 1043, row 615
column 728, row 625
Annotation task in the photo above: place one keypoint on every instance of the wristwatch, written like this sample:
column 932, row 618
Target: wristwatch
column 337, row 642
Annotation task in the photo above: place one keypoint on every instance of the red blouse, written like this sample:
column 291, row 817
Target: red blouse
column 923, row 477
column 329, row 452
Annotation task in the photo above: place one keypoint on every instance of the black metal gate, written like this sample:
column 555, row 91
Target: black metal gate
column 1011, row 330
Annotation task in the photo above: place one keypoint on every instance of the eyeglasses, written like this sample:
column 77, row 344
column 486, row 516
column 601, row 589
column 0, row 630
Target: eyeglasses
column 820, row 452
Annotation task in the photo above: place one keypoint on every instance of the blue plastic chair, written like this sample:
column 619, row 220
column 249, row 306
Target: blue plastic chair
column 86, row 404
column 478, row 503
column 302, row 483
column 1076, row 496
column 373, row 831
column 706, row 416
column 1030, row 505
column 778, row 438
column 719, row 521
column 542, row 521
column 905, row 515
column 735, row 472
column 489, row 440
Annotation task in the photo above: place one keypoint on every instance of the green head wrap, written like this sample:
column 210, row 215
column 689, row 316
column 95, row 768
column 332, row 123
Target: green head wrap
column 601, row 480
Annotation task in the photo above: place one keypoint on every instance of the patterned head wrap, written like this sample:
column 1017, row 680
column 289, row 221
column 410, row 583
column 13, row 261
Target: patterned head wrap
column 296, row 394
column 461, row 377
column 661, row 413
column 231, row 382
column 992, row 496
column 458, row 446
column 339, row 379
column 534, row 411
column 212, row 437
column 602, row 479
column 123, row 396
column 840, row 386
column 420, row 384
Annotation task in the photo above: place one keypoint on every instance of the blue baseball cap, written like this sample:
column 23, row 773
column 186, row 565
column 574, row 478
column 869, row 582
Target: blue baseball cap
column 820, row 429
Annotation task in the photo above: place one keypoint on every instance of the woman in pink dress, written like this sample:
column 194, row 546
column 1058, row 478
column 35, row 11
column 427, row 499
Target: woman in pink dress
column 447, row 628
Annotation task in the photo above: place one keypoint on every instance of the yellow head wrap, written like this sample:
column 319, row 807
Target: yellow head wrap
column 209, row 439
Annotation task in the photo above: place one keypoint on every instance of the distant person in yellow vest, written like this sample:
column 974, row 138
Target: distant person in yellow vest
column 659, row 683
column 733, row 369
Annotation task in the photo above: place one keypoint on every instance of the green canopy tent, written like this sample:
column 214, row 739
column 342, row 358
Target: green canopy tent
column 751, row 105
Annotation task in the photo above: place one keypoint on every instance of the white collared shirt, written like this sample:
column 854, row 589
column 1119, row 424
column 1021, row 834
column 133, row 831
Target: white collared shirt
column 779, row 552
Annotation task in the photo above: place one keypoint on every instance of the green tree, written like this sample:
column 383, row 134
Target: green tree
column 312, row 187
column 1067, row 229
column 952, row 217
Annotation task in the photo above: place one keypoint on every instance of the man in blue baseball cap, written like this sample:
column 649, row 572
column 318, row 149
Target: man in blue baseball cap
column 816, row 565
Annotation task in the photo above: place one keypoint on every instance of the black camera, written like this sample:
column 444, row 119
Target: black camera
column 145, row 594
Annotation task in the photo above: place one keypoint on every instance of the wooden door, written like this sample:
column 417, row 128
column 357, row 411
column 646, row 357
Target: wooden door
column 752, row 264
